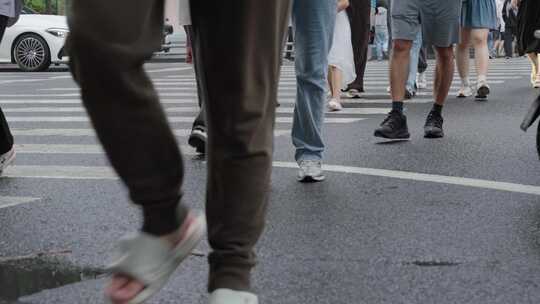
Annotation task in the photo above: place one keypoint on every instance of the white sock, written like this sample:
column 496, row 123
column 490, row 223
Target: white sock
column 482, row 78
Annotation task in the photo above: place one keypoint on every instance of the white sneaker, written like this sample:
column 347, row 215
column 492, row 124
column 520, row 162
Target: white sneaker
column 334, row 105
column 310, row 171
column 229, row 296
column 7, row 159
column 482, row 89
column 421, row 81
column 465, row 92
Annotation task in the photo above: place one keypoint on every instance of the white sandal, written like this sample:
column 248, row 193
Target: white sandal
column 334, row 105
column 151, row 260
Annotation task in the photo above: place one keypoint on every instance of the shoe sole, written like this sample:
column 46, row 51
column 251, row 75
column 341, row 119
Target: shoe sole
column 398, row 136
column 482, row 93
column 311, row 179
column 431, row 134
column 197, row 142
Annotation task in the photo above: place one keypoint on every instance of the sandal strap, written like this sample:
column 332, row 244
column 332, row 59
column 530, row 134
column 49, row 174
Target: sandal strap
column 142, row 257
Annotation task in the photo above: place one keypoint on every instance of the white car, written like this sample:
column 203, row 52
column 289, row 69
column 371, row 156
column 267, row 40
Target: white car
column 35, row 41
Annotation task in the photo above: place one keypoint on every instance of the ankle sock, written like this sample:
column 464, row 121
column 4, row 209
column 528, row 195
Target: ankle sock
column 482, row 78
column 437, row 108
column 397, row 106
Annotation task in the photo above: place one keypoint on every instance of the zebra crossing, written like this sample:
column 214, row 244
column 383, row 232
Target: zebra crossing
column 46, row 117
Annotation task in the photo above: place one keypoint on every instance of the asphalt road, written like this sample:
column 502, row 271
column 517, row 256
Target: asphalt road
column 452, row 220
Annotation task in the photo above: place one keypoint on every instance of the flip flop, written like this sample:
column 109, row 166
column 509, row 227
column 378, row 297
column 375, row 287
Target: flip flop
column 150, row 260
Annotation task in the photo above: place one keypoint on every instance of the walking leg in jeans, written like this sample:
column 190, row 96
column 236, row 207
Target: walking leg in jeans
column 108, row 46
column 413, row 66
column 314, row 28
column 7, row 153
column 421, row 81
column 240, row 95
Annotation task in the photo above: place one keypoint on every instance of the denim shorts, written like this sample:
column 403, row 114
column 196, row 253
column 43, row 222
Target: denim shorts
column 439, row 21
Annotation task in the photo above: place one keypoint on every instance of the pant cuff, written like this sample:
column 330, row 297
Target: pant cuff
column 162, row 219
column 235, row 277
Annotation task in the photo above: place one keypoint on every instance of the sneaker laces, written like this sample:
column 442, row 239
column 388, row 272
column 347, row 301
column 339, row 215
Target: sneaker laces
column 391, row 119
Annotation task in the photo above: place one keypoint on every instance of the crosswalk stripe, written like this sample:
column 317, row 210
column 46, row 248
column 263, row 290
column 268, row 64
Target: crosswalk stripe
column 11, row 201
column 171, row 119
column 91, row 132
column 73, row 149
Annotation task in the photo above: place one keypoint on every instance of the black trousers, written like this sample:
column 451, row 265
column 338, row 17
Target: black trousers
column 508, row 42
column 359, row 15
column 200, row 120
column 6, row 139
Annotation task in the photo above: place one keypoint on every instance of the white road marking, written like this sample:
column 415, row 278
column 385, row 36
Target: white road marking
column 423, row 177
column 90, row 132
column 170, row 119
column 10, row 201
column 169, row 70
column 73, row 149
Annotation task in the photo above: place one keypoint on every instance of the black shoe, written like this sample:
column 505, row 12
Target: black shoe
column 434, row 126
column 409, row 94
column 394, row 126
column 197, row 139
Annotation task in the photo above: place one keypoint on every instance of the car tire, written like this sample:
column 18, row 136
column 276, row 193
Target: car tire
column 31, row 53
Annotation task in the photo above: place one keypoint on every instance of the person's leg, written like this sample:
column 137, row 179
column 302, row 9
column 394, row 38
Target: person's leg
column 108, row 46
column 337, row 77
column 314, row 28
column 359, row 16
column 535, row 69
column 462, row 58
column 6, row 138
column 198, row 136
column 444, row 74
column 491, row 44
column 413, row 65
column 508, row 43
column 379, row 41
column 240, row 95
column 481, row 58
column 405, row 27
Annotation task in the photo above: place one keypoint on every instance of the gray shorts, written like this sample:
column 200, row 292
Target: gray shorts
column 439, row 21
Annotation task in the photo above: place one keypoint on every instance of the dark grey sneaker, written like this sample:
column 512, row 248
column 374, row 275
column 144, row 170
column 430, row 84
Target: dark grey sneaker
column 394, row 126
column 310, row 171
column 434, row 126
column 197, row 139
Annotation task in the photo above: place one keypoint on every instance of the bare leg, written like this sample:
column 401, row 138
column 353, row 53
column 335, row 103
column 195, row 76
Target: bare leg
column 535, row 71
column 399, row 68
column 336, row 78
column 444, row 74
column 479, row 41
column 462, row 56
column 329, row 76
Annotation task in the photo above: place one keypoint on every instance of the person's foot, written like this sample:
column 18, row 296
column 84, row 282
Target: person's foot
column 334, row 105
column 122, row 289
column 482, row 90
column 310, row 171
column 228, row 296
column 394, row 126
column 421, row 81
column 7, row 159
column 353, row 93
column 197, row 139
column 434, row 125
column 465, row 91
column 409, row 94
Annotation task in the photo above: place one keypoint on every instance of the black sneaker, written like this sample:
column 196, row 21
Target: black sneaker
column 434, row 126
column 394, row 126
column 409, row 94
column 197, row 139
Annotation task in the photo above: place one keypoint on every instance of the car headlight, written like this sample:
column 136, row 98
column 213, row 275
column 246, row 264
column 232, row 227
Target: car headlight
column 58, row 32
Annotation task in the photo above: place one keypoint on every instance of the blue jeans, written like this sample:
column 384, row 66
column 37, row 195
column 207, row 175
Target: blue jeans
column 413, row 64
column 381, row 41
column 313, row 22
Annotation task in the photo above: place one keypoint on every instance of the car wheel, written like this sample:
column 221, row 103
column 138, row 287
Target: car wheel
column 32, row 53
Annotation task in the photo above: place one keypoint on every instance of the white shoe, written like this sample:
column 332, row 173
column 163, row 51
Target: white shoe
column 310, row 171
column 229, row 296
column 482, row 89
column 334, row 105
column 421, row 81
column 536, row 83
column 7, row 159
column 465, row 92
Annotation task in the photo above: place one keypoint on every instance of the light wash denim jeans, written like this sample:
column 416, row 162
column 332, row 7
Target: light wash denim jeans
column 313, row 22
column 413, row 64
column 381, row 41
